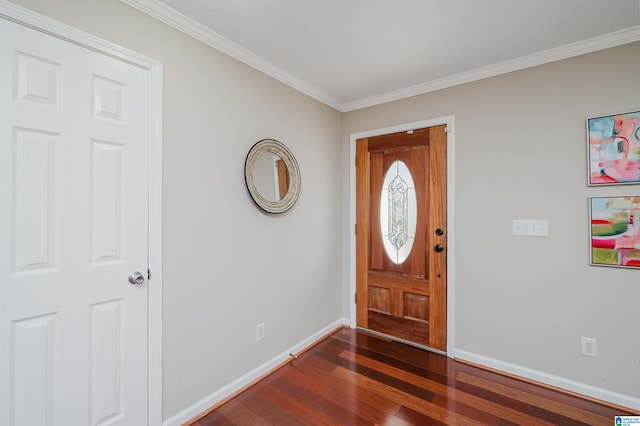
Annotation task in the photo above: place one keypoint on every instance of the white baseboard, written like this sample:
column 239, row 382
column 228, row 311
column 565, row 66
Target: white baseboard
column 244, row 381
column 549, row 379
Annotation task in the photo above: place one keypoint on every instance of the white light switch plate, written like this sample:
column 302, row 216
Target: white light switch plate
column 531, row 228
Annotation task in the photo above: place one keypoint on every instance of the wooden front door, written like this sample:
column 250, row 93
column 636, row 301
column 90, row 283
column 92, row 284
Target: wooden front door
column 401, row 233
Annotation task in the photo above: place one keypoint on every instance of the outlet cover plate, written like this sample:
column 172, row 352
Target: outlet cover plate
column 589, row 347
column 260, row 332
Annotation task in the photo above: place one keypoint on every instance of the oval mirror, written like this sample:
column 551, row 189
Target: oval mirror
column 272, row 176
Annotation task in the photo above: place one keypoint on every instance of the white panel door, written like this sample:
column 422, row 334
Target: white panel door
column 74, row 141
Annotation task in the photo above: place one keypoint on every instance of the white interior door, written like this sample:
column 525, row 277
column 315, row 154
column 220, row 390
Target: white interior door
column 74, row 162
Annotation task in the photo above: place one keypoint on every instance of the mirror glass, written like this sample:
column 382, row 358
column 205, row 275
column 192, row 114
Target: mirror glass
column 272, row 176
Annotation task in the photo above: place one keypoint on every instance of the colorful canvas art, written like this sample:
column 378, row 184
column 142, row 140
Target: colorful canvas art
column 614, row 149
column 615, row 231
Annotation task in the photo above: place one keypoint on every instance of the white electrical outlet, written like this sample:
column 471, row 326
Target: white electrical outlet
column 259, row 332
column 589, row 347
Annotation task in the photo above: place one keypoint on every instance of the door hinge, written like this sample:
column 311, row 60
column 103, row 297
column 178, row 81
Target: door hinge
column 148, row 274
column 355, row 297
column 446, row 129
column 355, row 229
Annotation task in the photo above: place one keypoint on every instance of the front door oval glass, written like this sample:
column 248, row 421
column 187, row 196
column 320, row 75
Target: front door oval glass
column 398, row 212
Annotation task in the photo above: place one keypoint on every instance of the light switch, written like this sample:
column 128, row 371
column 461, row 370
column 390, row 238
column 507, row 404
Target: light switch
column 531, row 228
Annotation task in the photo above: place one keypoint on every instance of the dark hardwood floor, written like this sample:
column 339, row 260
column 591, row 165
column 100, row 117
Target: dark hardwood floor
column 354, row 378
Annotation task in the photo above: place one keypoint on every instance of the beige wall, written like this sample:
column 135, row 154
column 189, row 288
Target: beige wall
column 521, row 154
column 227, row 265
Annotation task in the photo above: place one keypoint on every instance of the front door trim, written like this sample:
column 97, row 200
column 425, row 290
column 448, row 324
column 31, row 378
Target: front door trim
column 448, row 121
column 26, row 17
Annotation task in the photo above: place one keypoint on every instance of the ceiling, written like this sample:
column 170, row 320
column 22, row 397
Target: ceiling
column 351, row 54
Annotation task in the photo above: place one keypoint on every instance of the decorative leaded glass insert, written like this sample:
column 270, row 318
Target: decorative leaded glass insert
column 398, row 212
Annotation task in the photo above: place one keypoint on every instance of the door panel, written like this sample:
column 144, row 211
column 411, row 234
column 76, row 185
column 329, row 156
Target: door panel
column 74, row 141
column 405, row 299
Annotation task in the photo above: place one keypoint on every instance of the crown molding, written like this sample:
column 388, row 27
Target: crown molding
column 617, row 38
column 175, row 19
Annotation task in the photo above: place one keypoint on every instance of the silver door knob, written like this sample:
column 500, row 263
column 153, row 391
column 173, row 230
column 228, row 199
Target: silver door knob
column 136, row 278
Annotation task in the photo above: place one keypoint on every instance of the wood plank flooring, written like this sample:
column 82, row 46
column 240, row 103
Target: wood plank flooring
column 354, row 378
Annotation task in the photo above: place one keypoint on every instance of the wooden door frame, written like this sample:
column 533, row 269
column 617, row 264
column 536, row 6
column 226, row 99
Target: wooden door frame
column 450, row 244
column 23, row 16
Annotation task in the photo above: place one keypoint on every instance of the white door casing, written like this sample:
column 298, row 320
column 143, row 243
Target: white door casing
column 78, row 130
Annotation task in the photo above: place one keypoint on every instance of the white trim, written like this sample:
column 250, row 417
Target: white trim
column 175, row 19
column 617, row 38
column 155, row 248
column 449, row 121
column 627, row 401
column 62, row 31
column 253, row 375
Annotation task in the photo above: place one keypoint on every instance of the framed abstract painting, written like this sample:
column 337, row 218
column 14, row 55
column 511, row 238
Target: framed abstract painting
column 614, row 149
column 615, row 231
